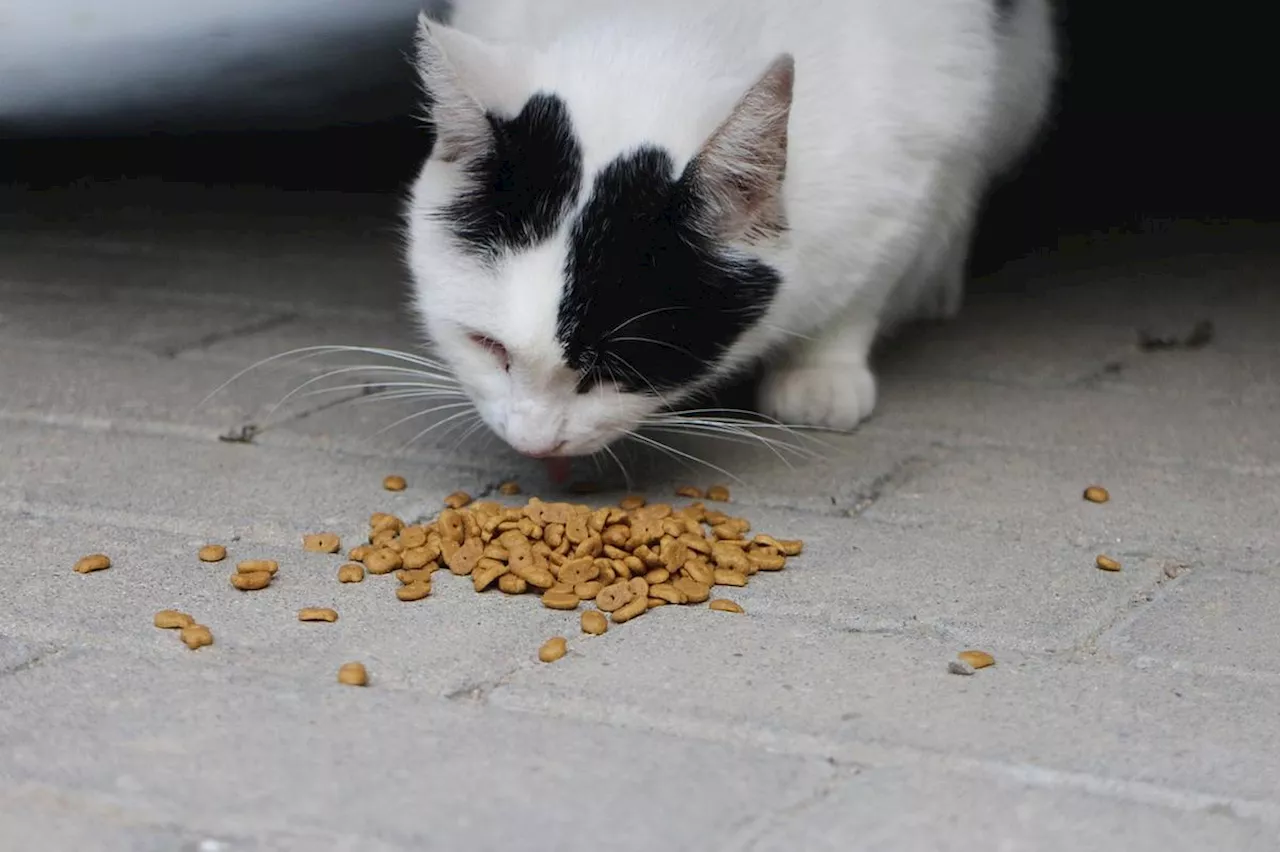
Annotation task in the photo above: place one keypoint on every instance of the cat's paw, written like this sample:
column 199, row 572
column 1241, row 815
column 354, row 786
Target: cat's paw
column 833, row 396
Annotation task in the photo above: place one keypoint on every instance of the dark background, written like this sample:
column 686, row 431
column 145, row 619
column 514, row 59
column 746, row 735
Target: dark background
column 1161, row 114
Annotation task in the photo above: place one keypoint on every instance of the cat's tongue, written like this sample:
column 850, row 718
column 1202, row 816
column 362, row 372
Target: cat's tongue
column 558, row 470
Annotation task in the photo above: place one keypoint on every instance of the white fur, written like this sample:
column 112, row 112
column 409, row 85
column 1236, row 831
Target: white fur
column 902, row 114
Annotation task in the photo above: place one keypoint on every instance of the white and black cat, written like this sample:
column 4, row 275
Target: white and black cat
column 628, row 202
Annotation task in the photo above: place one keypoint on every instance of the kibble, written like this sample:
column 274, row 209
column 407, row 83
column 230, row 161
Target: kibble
column 383, row 561
column 322, row 543
column 251, row 581
column 693, row 492
column 414, row 591
column 594, row 622
column 351, row 573
column 1096, row 494
column 172, row 619
column 96, row 562
column 256, row 566
column 395, row 483
column 553, row 649
column 509, row 489
column 212, row 553
column 1106, row 563
column 554, row 599
column 353, row 674
column 196, row 636
column 318, row 614
column 725, row 605
column 976, row 659
column 718, row 493
column 457, row 500
column 637, row 606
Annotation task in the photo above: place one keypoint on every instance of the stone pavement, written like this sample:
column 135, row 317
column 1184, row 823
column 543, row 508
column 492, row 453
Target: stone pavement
column 1134, row 711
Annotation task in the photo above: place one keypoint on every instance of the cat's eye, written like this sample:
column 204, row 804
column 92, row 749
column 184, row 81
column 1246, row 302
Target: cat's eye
column 496, row 349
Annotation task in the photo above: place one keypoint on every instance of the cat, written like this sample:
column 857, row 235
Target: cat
column 629, row 202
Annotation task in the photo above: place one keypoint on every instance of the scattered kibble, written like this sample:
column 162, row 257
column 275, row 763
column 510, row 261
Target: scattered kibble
column 352, row 572
column 172, row 619
column 1106, row 563
column 415, row 591
column 251, row 581
column 196, row 636
column 395, row 483
column 1096, row 494
column 457, row 500
column 212, row 553
column 353, row 674
column 693, row 492
column 318, row 614
column 594, row 622
column 976, row 659
column 509, row 489
column 255, row 566
column 725, row 605
column 322, row 543
column 718, row 493
column 553, row 649
column 95, row 562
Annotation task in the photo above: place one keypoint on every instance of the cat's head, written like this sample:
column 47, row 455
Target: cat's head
column 575, row 291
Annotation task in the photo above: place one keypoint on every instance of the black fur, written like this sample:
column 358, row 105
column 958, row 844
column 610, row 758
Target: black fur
column 1004, row 8
column 650, row 301
column 526, row 183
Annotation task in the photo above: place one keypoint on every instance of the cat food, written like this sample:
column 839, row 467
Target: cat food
column 172, row 619
column 251, row 581
column 352, row 572
column 353, row 674
column 693, row 492
column 95, row 562
column 414, row 591
column 976, row 659
column 594, row 622
column 457, row 500
column 212, row 553
column 318, row 614
column 553, row 649
column 558, row 599
column 254, row 566
column 1096, row 494
column 638, row 605
column 725, row 605
column 383, row 561
column 1106, row 563
column 395, row 483
column 718, row 493
column 509, row 489
column 196, row 636
column 322, row 543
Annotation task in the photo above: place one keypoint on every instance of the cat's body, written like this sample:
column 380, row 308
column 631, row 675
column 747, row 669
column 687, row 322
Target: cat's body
column 699, row 184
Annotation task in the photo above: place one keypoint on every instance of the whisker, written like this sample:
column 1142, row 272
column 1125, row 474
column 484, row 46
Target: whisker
column 644, row 315
column 434, row 426
column 423, row 413
column 665, row 448
column 626, row 474
column 662, row 343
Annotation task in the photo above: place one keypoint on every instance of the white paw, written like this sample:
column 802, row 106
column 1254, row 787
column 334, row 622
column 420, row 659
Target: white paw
column 833, row 397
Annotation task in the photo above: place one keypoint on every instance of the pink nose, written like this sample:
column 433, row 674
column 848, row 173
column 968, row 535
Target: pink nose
column 544, row 454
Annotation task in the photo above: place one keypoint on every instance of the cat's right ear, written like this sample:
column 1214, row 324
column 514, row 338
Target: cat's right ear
column 460, row 76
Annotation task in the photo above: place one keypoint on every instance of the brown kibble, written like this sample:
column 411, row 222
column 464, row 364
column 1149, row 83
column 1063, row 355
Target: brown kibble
column 977, row 659
column 417, row 557
column 463, row 560
column 725, row 605
column 360, row 553
column 457, row 500
column 614, row 597
column 587, row 591
column 96, row 562
column 255, row 566
column 352, row 572
column 381, row 522
column 486, row 573
column 553, row 649
column 637, row 606
column 1106, row 563
column 383, row 561
column 212, row 553
column 353, row 674
column 509, row 489
column 554, row 599
column 414, row 575
column 767, row 560
column 1096, row 494
column 251, row 581
column 654, row 603
column 725, row 577
column 693, row 492
column 513, row 585
column 413, row 537
column 322, row 543
column 718, row 493
column 594, row 622
column 196, row 636
column 656, row 576
column 318, row 614
column 172, row 619
column 395, row 483
column 414, row 591
column 669, row 593
column 693, row 591
column 631, row 503
column 786, row 548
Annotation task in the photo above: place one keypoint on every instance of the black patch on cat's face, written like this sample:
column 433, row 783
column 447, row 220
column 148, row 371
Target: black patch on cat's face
column 1004, row 8
column 524, row 186
column 651, row 302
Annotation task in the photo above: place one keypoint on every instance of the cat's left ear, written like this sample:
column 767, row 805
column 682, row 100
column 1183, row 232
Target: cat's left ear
column 463, row 77
column 738, row 174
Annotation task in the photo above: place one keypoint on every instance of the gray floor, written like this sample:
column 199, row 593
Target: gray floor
column 1130, row 711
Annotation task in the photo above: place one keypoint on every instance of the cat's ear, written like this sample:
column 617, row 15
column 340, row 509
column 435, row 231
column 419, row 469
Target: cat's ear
column 739, row 171
column 462, row 76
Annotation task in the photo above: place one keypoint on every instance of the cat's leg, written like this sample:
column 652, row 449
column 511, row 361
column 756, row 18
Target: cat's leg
column 825, row 381
column 942, row 288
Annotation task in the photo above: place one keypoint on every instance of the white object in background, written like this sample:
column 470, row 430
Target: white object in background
column 84, row 65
